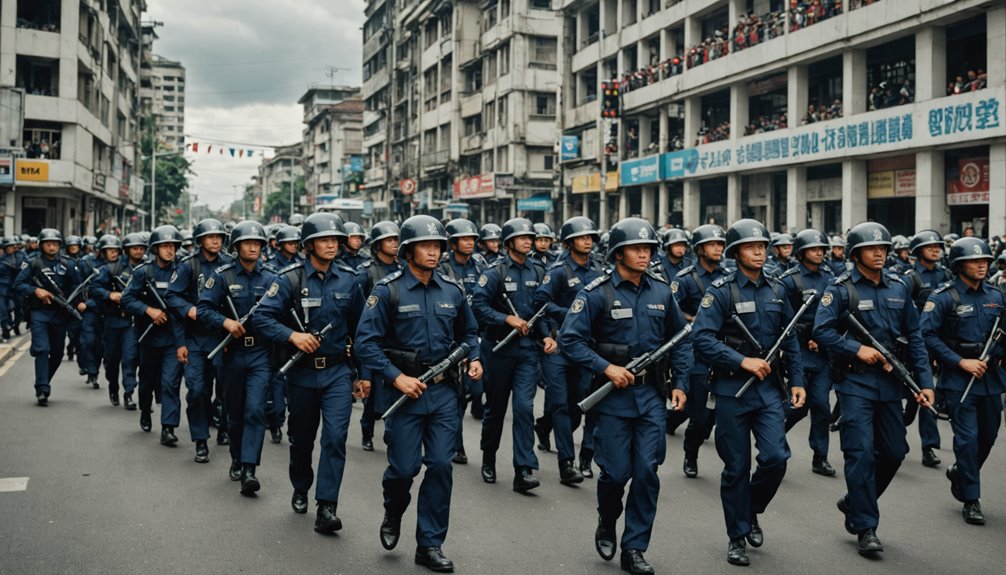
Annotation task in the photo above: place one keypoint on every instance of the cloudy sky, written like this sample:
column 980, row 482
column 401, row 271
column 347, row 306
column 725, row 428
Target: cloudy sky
column 247, row 63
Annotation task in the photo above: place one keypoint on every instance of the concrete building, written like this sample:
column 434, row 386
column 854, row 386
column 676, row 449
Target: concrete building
column 716, row 120
column 77, row 63
column 280, row 172
column 162, row 97
column 333, row 137
column 467, row 93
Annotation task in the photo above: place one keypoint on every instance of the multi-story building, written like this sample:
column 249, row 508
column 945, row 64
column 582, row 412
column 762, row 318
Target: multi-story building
column 77, row 62
column 162, row 99
column 819, row 116
column 467, row 93
column 333, row 137
column 281, row 172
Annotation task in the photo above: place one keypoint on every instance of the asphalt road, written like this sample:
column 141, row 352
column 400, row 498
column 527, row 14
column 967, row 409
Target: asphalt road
column 104, row 497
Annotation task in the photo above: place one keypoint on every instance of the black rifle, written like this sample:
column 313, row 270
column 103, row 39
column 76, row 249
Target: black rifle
column 296, row 357
column 994, row 337
column 637, row 367
column 434, row 374
column 514, row 332
column 50, row 286
column 241, row 320
column 773, row 352
column 83, row 284
column 164, row 307
column 899, row 369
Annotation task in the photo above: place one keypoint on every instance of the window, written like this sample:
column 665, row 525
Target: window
column 487, row 161
column 503, row 164
column 169, row 108
column 169, row 98
column 540, row 159
column 489, row 114
column 504, row 56
column 540, row 4
column 490, row 16
column 543, row 52
column 42, row 139
column 473, row 80
column 501, row 108
column 544, row 104
column 490, row 68
column 473, row 125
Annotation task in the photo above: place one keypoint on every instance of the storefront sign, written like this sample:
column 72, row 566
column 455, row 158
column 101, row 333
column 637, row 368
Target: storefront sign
column 971, row 186
column 641, row 171
column 535, row 204
column 592, row 183
column 32, row 171
column 475, row 187
column 569, row 148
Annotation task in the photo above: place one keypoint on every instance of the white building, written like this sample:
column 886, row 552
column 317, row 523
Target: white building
column 920, row 159
column 162, row 96
column 333, row 137
column 281, row 172
column 78, row 65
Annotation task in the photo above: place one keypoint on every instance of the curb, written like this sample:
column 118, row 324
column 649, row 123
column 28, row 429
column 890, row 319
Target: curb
column 16, row 344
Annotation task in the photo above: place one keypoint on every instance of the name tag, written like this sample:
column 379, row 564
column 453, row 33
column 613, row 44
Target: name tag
column 865, row 304
column 510, row 286
column 745, row 307
column 621, row 313
column 235, row 288
column 161, row 285
column 965, row 309
column 309, row 302
column 408, row 308
column 572, row 282
column 341, row 295
column 531, row 283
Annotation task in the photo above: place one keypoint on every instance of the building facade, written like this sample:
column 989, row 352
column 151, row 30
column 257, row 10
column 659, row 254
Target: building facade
column 162, row 99
column 333, row 137
column 77, row 65
column 820, row 115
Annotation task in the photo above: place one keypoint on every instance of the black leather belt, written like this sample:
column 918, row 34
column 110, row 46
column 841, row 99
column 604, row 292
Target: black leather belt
column 248, row 341
column 320, row 362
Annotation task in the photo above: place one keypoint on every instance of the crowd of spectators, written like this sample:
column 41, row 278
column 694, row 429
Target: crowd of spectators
column 973, row 81
column 804, row 13
column 716, row 46
column 48, row 26
column 752, row 30
column 822, row 113
column 718, row 134
column 767, row 124
column 887, row 94
column 853, row 4
column 42, row 150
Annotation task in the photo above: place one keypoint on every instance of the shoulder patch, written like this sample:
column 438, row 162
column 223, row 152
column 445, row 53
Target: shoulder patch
column 826, row 299
column 577, row 306
column 371, row 301
column 273, row 290
column 483, row 280
column 24, row 265
column 707, row 300
column 600, row 280
column 930, row 306
column 546, row 279
column 674, row 286
column 209, row 283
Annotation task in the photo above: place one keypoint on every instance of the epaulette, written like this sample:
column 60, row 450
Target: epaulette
column 846, row 276
column 656, row 276
column 773, row 279
column 448, row 279
column 724, row 280
column 943, row 287
column 600, row 280
column 685, row 271
column 897, row 278
column 290, row 268
column 537, row 262
column 224, row 267
column 188, row 257
column 790, row 271
column 346, row 267
column 366, row 264
column 390, row 277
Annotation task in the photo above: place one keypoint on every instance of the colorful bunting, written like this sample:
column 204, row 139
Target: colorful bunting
column 234, row 152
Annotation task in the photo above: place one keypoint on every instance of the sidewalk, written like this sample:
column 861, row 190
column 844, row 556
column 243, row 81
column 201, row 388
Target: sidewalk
column 16, row 343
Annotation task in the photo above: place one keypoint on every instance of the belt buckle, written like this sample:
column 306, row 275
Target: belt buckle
column 320, row 362
column 249, row 341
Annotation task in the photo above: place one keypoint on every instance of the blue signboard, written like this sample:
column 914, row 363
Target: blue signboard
column 679, row 164
column 569, row 148
column 535, row 204
column 641, row 171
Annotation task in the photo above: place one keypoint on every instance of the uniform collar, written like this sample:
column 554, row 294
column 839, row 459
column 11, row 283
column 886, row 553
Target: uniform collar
column 310, row 269
column 858, row 276
column 743, row 280
column 411, row 281
column 241, row 269
column 804, row 270
column 964, row 288
column 525, row 265
column 618, row 280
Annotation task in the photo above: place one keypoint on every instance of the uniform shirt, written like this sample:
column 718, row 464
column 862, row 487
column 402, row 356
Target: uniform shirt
column 518, row 282
column 838, row 267
column 976, row 314
column 373, row 271
column 818, row 282
column 183, row 293
column 137, row 298
column 279, row 260
column 688, row 293
column 102, row 287
column 546, row 259
column 61, row 271
column 10, row 265
column 465, row 274
column 928, row 280
column 355, row 260
column 560, row 285
column 248, row 288
column 428, row 319
column 642, row 318
column 333, row 296
column 762, row 307
column 887, row 312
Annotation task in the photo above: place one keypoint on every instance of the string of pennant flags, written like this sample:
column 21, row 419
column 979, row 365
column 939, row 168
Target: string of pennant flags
column 223, row 150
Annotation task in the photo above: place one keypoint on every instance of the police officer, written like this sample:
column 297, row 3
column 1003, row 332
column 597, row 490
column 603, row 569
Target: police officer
column 353, row 254
column 287, row 248
column 200, row 338
column 836, row 260
column 91, row 328
column 688, row 287
column 809, row 279
column 780, row 261
column 628, row 312
column 287, row 253
column 900, row 260
column 162, row 351
column 544, row 238
column 305, row 299
column 873, row 428
column 187, row 242
column 565, row 383
column 459, row 265
column 489, row 245
column 229, row 294
column 40, row 279
column 503, row 301
column 384, row 247
column 119, row 338
column 957, row 320
column 741, row 315
column 413, row 319
column 9, row 267
column 72, row 249
column 673, row 259
column 31, row 250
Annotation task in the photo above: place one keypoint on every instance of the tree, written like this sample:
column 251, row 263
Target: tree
column 278, row 202
column 171, row 173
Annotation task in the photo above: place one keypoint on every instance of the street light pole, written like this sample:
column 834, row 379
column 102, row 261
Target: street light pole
column 153, row 182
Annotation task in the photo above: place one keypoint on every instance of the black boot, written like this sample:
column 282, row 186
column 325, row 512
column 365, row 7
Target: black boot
column 128, row 401
column 391, row 530
column 586, row 455
column 202, row 451
column 168, row 436
column 145, row 424
column 249, row 483
column 326, row 521
column 568, row 475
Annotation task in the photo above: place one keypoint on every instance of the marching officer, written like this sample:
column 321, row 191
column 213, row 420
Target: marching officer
column 544, row 237
column 9, row 268
column 72, row 250
column 925, row 276
column 119, row 339
column 565, row 382
column 780, row 261
column 628, row 312
column 200, row 372
column 234, row 288
column 161, row 347
column 688, row 287
column 352, row 254
column 809, row 279
column 873, row 427
column 460, row 265
column 413, row 319
column 287, row 253
column 957, row 320
column 90, row 352
column 306, row 299
column 41, row 280
column 503, row 301
column 384, row 247
column 836, row 260
column 673, row 260
column 489, row 245
column 287, row 248
column 742, row 314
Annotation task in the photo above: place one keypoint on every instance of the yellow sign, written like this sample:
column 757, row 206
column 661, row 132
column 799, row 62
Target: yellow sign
column 592, row 183
column 32, row 171
column 880, row 185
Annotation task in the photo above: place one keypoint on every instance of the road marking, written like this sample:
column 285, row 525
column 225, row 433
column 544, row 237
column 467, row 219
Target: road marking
column 11, row 484
column 18, row 352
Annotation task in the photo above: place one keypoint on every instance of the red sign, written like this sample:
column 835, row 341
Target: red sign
column 971, row 186
column 408, row 187
column 475, row 187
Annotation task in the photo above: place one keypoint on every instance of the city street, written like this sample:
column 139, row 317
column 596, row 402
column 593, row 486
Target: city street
column 104, row 497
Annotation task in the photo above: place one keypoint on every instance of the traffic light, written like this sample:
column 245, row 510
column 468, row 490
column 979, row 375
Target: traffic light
column 610, row 100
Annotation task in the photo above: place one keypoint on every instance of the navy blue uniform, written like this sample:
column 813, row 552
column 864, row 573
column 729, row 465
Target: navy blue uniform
column 405, row 315
column 118, row 338
column 160, row 373
column 276, row 409
column 246, row 368
column 89, row 331
column 838, row 267
column 48, row 322
column 466, row 275
column 10, row 265
column 761, row 305
column 688, row 287
column 873, row 428
column 371, row 272
column 200, row 339
column 320, row 387
column 566, row 383
column 515, row 366
column 611, row 321
column 956, row 323
column 800, row 283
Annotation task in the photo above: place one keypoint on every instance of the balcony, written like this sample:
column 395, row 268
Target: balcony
column 376, row 82
column 471, row 144
column 435, row 160
column 471, row 104
column 39, row 43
